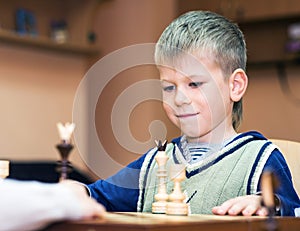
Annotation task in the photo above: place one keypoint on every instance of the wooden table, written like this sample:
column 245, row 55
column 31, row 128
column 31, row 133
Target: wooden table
column 155, row 222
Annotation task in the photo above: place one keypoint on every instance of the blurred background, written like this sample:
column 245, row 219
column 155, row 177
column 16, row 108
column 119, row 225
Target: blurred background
column 46, row 47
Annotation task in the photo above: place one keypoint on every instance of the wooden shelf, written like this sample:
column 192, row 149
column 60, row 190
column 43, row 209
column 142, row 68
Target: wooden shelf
column 244, row 10
column 265, row 28
column 46, row 43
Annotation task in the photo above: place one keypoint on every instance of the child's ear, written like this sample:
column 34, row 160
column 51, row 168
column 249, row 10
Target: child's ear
column 238, row 83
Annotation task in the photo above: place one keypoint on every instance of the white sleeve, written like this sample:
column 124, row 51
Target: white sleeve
column 31, row 205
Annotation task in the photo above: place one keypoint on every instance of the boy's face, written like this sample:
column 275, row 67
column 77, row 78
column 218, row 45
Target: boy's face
column 196, row 98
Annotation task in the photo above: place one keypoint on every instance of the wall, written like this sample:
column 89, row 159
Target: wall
column 269, row 108
column 36, row 91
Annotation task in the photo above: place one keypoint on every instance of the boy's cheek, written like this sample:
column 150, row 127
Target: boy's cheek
column 168, row 107
column 169, row 111
column 167, row 103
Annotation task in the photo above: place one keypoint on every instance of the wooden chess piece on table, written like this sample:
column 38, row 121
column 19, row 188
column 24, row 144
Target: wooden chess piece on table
column 64, row 165
column 64, row 148
column 161, row 197
column 269, row 183
column 176, row 204
column 4, row 169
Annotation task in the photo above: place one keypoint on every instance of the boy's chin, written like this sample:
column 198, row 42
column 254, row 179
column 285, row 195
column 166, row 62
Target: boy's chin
column 193, row 137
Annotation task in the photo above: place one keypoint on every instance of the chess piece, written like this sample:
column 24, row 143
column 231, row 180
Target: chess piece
column 176, row 204
column 64, row 165
column 4, row 169
column 161, row 197
column 268, row 185
column 64, row 148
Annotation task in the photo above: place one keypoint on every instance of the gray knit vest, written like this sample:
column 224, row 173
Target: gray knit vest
column 233, row 171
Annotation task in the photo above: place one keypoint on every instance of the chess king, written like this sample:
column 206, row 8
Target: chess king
column 173, row 204
column 161, row 197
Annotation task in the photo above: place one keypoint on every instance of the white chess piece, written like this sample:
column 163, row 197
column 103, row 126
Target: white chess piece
column 176, row 204
column 161, row 198
column 4, row 169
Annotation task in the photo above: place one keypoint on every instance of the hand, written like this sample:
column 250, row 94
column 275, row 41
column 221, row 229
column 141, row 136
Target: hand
column 244, row 205
column 90, row 207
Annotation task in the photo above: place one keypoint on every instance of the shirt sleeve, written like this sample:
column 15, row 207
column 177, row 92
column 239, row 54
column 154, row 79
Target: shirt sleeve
column 30, row 205
column 119, row 192
column 286, row 193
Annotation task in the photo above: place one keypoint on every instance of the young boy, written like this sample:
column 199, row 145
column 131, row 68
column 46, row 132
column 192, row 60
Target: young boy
column 201, row 57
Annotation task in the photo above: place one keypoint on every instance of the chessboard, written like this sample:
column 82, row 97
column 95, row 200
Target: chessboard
column 155, row 222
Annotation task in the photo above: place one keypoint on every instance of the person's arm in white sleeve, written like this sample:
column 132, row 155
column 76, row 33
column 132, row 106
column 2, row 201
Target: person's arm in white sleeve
column 32, row 205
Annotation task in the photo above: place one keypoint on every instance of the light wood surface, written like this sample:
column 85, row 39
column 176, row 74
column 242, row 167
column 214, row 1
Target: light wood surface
column 155, row 222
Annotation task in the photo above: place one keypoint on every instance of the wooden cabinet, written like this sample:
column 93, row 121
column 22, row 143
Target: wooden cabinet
column 264, row 23
column 77, row 14
column 244, row 10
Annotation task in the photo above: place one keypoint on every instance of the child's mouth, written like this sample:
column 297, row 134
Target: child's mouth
column 187, row 115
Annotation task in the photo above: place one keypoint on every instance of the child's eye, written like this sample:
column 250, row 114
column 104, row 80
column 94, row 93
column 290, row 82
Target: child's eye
column 169, row 88
column 195, row 84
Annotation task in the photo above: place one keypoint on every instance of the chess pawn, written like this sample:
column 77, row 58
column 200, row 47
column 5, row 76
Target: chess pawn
column 4, row 169
column 161, row 198
column 176, row 204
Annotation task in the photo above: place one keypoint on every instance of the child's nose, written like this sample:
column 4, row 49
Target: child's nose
column 182, row 97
